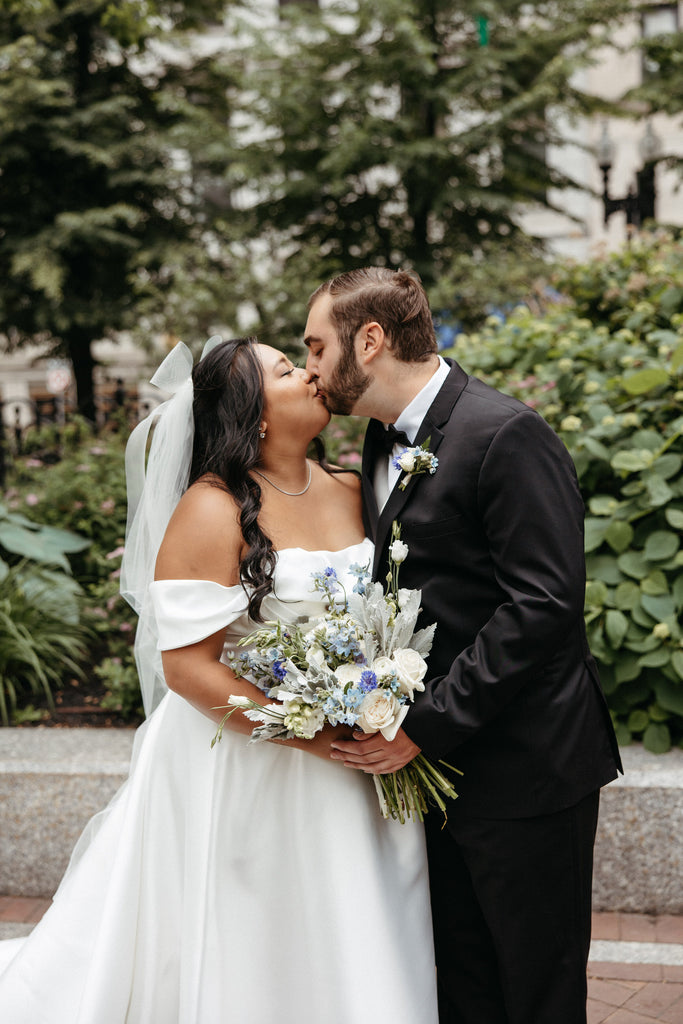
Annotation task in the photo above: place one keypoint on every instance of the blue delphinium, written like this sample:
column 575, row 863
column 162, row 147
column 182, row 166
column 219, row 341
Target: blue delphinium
column 279, row 670
column 326, row 581
column 362, row 574
column 368, row 681
column 342, row 640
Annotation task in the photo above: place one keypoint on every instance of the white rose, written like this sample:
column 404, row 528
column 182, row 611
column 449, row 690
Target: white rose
column 398, row 551
column 380, row 711
column 407, row 462
column 383, row 667
column 411, row 669
column 349, row 674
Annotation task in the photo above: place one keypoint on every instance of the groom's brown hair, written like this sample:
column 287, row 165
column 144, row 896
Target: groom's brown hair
column 395, row 299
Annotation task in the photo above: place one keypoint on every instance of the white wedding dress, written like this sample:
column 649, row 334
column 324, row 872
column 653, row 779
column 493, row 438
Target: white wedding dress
column 244, row 884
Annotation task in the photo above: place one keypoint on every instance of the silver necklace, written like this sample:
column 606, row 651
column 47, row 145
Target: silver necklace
column 292, row 494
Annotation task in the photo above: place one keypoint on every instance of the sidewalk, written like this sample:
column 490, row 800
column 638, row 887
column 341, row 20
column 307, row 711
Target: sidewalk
column 641, row 978
column 639, row 981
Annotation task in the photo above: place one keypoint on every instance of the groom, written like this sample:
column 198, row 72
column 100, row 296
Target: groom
column 495, row 539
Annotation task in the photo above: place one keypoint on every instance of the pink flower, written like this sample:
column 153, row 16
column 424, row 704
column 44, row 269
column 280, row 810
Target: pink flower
column 115, row 574
column 77, row 504
column 98, row 450
column 115, row 553
column 125, row 627
column 350, row 459
column 32, row 499
column 108, row 506
column 83, row 468
column 33, row 463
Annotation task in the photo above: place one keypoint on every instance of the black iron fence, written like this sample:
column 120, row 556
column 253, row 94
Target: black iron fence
column 21, row 417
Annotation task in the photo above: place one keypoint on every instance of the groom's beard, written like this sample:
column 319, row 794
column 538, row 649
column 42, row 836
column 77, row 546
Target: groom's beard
column 346, row 385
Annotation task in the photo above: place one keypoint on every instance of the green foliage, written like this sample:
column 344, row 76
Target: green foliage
column 97, row 210
column 21, row 537
column 606, row 370
column 388, row 134
column 85, row 490
column 41, row 636
column 112, row 622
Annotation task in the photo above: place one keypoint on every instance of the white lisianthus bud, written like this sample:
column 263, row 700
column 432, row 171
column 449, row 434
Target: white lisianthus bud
column 398, row 551
column 349, row 673
column 403, row 597
column 410, row 669
column 661, row 631
column 236, row 701
column 381, row 711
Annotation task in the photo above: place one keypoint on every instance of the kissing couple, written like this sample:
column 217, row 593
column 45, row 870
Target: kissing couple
column 253, row 883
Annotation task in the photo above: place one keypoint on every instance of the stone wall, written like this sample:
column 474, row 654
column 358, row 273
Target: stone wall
column 53, row 780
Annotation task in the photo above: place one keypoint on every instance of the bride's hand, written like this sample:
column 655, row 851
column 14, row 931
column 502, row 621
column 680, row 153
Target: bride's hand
column 321, row 744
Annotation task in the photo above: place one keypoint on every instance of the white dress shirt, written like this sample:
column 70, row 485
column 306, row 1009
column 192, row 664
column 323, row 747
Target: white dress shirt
column 386, row 474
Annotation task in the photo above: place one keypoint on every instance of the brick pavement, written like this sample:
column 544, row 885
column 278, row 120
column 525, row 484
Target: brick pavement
column 618, row 993
column 636, row 993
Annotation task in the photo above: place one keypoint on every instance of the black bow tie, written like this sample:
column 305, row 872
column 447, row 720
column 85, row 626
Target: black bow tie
column 386, row 439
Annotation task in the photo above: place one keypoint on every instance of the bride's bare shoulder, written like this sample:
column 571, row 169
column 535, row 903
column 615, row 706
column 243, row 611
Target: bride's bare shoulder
column 203, row 538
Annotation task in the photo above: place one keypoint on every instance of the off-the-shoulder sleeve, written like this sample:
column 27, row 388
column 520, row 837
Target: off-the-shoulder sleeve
column 187, row 611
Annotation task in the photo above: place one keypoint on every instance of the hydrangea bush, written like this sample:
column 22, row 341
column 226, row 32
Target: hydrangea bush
column 605, row 369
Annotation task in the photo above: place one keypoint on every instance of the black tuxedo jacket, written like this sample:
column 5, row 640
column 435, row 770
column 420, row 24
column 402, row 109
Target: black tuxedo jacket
column 495, row 541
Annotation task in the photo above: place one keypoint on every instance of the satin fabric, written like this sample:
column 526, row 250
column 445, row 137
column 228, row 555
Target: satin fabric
column 249, row 883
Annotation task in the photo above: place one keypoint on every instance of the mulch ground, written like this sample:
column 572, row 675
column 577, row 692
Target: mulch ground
column 76, row 704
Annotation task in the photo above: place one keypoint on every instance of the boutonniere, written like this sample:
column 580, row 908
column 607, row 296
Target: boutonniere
column 413, row 461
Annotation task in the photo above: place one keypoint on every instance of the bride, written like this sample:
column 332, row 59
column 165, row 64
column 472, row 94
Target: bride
column 245, row 883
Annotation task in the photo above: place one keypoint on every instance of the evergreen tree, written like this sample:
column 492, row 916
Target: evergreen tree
column 406, row 132
column 107, row 145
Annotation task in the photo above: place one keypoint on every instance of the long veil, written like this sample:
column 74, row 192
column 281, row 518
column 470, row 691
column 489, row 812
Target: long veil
column 155, row 484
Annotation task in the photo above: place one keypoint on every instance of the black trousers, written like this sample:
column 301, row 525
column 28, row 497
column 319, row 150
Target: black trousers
column 511, row 902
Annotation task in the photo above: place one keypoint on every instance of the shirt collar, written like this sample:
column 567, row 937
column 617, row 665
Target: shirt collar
column 412, row 416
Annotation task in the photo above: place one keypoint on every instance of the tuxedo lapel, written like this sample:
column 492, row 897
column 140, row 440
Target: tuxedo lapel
column 370, row 451
column 437, row 415
column 399, row 496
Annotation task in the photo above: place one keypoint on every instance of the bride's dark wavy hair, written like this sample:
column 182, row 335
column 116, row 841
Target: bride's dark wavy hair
column 228, row 409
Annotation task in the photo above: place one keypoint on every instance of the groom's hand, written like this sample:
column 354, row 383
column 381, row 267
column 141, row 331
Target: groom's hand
column 372, row 753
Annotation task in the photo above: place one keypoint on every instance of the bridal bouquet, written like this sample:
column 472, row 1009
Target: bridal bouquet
column 359, row 664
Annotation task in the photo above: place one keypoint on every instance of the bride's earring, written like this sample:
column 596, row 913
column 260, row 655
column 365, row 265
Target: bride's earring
column 262, row 431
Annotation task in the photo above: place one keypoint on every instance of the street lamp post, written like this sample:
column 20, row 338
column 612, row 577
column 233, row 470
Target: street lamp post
column 639, row 202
